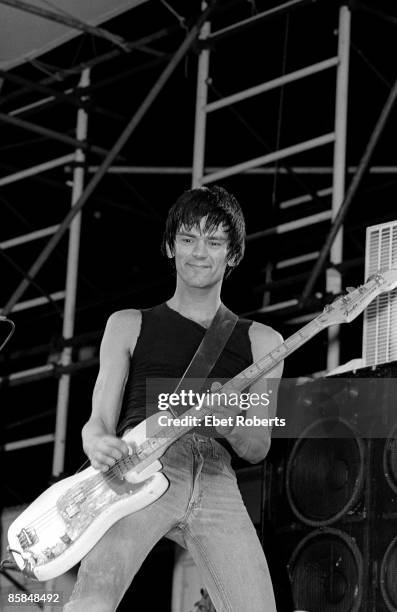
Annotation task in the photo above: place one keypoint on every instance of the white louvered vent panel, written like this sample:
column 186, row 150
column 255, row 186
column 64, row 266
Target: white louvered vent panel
column 380, row 318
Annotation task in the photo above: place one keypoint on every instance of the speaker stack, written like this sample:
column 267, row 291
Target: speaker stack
column 333, row 491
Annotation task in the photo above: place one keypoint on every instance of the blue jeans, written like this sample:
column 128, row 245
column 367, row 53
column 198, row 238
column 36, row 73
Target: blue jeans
column 203, row 511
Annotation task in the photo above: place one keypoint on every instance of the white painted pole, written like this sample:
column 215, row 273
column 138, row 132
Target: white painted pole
column 71, row 286
column 39, row 301
column 334, row 280
column 273, row 84
column 29, row 442
column 201, row 114
column 182, row 170
column 13, row 242
column 53, row 163
column 307, row 145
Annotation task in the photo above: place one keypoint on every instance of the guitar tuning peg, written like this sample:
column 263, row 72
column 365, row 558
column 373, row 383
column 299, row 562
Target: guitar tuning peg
column 350, row 289
column 376, row 276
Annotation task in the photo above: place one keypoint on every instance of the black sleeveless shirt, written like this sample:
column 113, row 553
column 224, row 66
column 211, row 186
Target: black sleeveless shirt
column 164, row 348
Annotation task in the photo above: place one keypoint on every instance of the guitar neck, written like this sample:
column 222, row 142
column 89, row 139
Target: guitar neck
column 267, row 363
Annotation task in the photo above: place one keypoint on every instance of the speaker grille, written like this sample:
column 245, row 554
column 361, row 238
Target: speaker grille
column 388, row 576
column 325, row 475
column 326, row 572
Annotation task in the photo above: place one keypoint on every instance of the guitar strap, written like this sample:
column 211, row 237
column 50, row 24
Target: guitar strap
column 207, row 354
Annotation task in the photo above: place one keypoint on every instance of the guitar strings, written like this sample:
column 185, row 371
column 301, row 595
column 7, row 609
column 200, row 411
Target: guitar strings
column 101, row 480
column 110, row 475
column 53, row 512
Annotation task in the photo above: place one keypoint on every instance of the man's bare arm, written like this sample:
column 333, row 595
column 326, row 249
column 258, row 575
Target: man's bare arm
column 100, row 443
column 253, row 442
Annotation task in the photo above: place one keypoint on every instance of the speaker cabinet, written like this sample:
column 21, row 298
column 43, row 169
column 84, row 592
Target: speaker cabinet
column 333, row 492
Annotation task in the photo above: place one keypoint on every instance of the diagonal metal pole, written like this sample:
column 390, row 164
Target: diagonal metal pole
column 115, row 150
column 17, row 267
column 351, row 192
column 61, row 74
column 72, row 98
column 67, row 20
column 48, row 133
column 275, row 11
column 378, row 13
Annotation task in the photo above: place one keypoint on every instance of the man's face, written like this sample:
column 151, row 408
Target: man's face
column 201, row 257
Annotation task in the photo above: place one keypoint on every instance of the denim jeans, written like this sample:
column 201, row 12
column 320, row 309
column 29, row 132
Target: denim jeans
column 203, row 511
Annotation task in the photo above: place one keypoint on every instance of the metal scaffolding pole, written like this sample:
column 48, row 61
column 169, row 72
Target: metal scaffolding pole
column 96, row 61
column 300, row 147
column 12, row 242
column 201, row 115
column 72, row 97
column 290, row 226
column 43, row 372
column 273, row 84
column 112, row 154
column 71, row 288
column 53, row 163
column 333, row 275
column 276, row 11
column 304, row 170
column 39, row 301
column 351, row 192
column 43, row 131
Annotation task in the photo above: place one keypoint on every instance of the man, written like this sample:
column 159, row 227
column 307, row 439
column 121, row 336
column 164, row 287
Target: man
column 202, row 508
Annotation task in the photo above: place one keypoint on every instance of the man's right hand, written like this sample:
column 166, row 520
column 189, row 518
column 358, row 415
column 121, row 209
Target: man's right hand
column 104, row 450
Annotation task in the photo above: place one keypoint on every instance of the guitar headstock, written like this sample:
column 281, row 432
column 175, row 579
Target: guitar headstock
column 347, row 307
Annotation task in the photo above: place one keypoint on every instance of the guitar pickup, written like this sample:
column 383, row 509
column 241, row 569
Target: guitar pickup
column 70, row 505
column 27, row 537
column 71, row 510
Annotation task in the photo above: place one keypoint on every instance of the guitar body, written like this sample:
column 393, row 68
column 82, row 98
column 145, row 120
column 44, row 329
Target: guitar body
column 60, row 527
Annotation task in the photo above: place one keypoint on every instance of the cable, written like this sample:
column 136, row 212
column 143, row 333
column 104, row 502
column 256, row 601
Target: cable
column 10, row 333
column 181, row 20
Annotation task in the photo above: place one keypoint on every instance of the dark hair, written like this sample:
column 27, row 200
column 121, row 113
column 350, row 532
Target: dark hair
column 219, row 207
